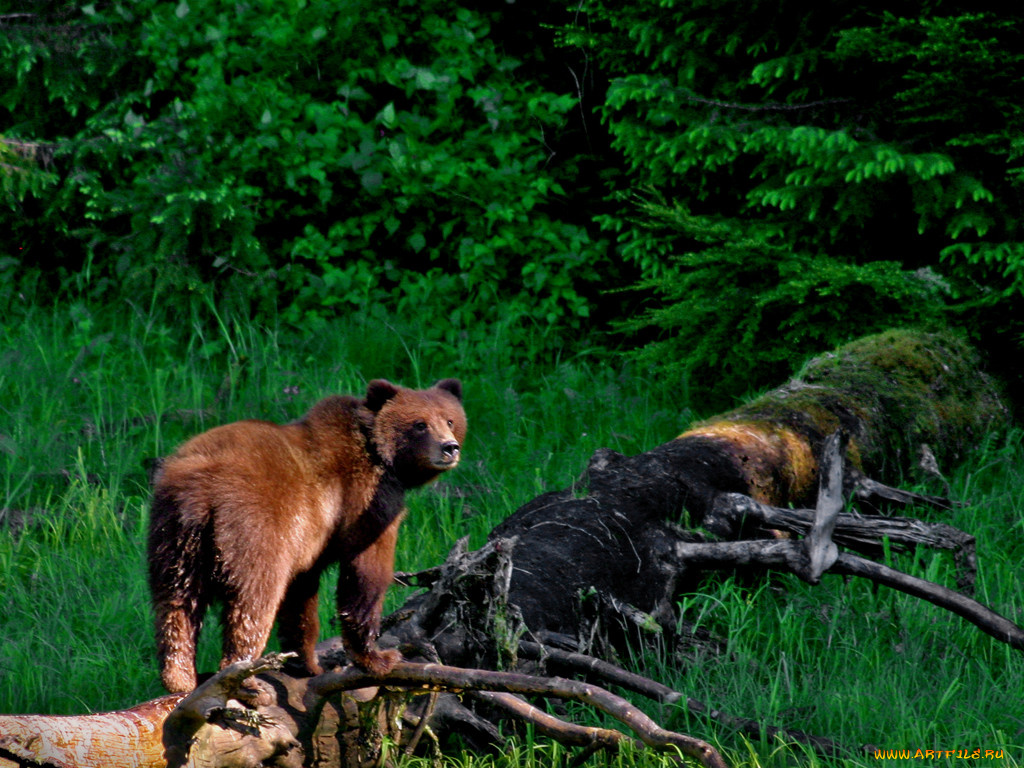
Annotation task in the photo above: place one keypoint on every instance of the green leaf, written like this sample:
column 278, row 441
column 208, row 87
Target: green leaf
column 372, row 181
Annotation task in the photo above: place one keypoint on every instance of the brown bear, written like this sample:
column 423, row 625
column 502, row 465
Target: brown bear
column 250, row 513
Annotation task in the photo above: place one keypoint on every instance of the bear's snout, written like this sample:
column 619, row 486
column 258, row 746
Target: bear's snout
column 450, row 451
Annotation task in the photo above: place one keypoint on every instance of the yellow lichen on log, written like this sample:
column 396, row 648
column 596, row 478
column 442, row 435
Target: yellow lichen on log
column 777, row 463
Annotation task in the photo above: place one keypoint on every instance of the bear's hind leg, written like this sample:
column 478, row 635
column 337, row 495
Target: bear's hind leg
column 177, row 633
column 248, row 618
column 178, row 584
column 298, row 622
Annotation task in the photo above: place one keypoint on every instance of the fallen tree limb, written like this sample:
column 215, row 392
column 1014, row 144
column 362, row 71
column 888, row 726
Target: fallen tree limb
column 566, row 662
column 426, row 676
column 590, row 737
column 860, row 532
column 790, row 556
column 76, row 741
column 810, row 558
column 987, row 620
column 863, row 533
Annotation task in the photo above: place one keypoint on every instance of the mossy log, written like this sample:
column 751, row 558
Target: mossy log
column 898, row 396
column 909, row 401
column 589, row 567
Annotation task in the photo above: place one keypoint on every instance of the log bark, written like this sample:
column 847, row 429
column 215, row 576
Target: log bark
column 132, row 737
column 574, row 575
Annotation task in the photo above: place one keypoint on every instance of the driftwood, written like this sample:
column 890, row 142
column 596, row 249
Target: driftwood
column 573, row 575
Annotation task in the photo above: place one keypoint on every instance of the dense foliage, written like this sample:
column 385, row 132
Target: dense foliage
column 798, row 170
column 780, row 176
column 315, row 157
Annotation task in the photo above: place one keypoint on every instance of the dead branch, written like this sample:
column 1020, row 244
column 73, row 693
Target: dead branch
column 863, row 533
column 566, row 662
column 791, row 556
column 984, row 618
column 551, row 726
column 442, row 677
column 129, row 737
column 821, row 550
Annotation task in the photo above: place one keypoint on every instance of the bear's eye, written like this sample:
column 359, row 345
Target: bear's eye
column 449, row 423
column 420, row 426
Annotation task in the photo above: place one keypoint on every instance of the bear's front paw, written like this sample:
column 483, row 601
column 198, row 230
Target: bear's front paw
column 378, row 663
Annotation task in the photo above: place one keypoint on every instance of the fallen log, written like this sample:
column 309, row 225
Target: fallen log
column 574, row 574
column 343, row 717
column 910, row 402
column 737, row 475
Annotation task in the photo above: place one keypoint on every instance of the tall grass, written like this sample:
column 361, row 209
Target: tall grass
column 87, row 396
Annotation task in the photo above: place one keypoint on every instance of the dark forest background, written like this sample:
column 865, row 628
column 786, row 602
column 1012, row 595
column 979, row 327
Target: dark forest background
column 717, row 188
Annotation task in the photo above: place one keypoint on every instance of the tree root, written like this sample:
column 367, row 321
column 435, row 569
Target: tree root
column 799, row 557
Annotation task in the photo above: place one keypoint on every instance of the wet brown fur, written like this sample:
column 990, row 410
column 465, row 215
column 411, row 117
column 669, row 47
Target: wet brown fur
column 250, row 513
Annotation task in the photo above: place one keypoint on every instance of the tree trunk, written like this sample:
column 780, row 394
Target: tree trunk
column 589, row 567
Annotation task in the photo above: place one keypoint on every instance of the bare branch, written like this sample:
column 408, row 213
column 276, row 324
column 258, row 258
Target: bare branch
column 581, row 664
column 551, row 726
column 438, row 676
column 821, row 550
column 789, row 556
column 984, row 618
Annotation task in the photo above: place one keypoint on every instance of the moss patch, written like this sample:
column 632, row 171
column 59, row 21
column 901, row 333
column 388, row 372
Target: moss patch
column 893, row 392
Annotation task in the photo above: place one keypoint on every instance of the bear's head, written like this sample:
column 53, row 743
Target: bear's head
column 418, row 432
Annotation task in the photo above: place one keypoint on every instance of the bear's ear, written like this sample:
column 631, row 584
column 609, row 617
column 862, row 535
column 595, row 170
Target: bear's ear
column 378, row 392
column 454, row 386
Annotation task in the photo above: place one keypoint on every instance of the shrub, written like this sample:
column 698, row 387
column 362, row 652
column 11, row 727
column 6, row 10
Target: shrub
column 315, row 158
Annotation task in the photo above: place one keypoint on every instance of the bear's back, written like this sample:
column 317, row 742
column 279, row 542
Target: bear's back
column 256, row 481
column 256, row 456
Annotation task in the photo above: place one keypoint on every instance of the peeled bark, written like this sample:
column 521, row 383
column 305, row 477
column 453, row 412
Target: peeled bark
column 132, row 737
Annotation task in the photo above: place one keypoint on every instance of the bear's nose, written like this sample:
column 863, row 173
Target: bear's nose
column 450, row 449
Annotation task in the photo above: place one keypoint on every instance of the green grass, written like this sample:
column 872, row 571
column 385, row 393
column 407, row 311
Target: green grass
column 87, row 395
